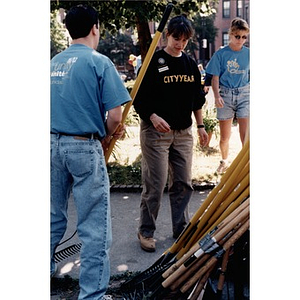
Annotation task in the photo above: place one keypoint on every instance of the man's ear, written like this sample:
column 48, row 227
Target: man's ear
column 95, row 29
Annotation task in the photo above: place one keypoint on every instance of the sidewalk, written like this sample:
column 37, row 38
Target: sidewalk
column 126, row 254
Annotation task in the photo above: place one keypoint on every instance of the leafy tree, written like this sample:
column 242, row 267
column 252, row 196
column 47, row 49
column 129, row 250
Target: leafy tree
column 204, row 26
column 205, row 29
column 117, row 47
column 116, row 14
column 57, row 34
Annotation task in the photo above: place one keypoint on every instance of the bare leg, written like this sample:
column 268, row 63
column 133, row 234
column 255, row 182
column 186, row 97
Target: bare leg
column 225, row 132
column 243, row 127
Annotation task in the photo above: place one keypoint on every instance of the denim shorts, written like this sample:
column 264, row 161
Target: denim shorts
column 236, row 103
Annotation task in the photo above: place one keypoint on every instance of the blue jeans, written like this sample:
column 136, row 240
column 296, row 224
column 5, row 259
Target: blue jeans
column 80, row 165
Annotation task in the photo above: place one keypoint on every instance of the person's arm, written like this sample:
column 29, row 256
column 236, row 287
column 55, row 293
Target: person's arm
column 219, row 102
column 208, row 78
column 114, row 128
column 207, row 82
column 144, row 99
column 114, row 118
column 203, row 137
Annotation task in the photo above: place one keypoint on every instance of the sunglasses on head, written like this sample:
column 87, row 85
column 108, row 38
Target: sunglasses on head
column 238, row 37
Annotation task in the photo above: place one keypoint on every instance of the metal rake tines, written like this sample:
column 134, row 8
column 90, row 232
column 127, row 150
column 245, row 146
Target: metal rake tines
column 67, row 252
column 143, row 280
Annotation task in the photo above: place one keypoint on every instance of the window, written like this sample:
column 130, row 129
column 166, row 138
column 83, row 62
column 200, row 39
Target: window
column 239, row 8
column 226, row 8
column 225, row 38
column 246, row 14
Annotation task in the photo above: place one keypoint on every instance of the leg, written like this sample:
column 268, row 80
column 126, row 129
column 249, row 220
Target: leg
column 61, row 182
column 225, row 133
column 180, row 182
column 225, row 116
column 155, row 151
column 243, row 113
column 85, row 161
column 243, row 128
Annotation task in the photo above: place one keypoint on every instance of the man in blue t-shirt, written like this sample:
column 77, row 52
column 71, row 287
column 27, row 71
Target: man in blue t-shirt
column 86, row 98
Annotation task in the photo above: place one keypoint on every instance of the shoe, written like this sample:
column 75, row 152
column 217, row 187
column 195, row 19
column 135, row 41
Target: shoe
column 107, row 297
column 222, row 167
column 147, row 244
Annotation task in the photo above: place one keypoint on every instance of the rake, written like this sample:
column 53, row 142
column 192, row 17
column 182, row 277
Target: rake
column 222, row 201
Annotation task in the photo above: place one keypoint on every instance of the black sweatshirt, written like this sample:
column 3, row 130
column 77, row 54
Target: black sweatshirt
column 171, row 88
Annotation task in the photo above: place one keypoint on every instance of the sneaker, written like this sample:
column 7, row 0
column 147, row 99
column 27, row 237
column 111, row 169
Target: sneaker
column 147, row 244
column 107, row 297
column 222, row 167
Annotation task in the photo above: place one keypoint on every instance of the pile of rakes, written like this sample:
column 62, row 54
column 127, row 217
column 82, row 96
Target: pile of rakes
column 183, row 270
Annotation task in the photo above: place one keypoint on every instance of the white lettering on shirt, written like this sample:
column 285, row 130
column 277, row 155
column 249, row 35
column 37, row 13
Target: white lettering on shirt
column 61, row 69
column 233, row 67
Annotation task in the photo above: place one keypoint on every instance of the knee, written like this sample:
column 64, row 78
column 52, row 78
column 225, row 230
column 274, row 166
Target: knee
column 181, row 186
column 224, row 139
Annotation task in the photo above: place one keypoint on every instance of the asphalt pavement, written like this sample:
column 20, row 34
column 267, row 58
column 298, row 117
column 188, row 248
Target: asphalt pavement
column 126, row 253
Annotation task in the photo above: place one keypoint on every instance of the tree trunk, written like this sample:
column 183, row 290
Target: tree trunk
column 144, row 37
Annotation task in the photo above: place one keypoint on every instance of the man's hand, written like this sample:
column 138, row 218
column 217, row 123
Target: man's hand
column 118, row 134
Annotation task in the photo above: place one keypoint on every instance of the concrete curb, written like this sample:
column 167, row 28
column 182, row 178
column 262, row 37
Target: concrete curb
column 136, row 188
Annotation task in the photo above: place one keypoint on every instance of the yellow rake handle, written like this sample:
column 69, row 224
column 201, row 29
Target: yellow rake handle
column 225, row 183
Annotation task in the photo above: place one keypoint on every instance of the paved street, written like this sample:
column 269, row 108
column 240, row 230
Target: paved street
column 126, row 253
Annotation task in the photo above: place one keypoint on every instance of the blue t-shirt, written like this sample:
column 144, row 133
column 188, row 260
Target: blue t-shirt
column 84, row 86
column 232, row 67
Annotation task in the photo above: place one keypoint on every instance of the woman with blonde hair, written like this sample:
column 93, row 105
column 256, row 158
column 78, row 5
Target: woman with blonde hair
column 231, row 86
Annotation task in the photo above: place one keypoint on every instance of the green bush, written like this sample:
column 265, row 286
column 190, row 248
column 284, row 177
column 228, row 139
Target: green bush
column 124, row 174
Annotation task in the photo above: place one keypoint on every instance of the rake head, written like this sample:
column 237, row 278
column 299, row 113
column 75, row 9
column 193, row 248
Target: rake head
column 149, row 280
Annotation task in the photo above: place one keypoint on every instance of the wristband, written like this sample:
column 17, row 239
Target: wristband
column 200, row 126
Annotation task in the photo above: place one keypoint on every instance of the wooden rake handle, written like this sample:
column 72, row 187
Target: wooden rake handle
column 179, row 268
column 214, row 259
column 230, row 173
column 227, row 188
